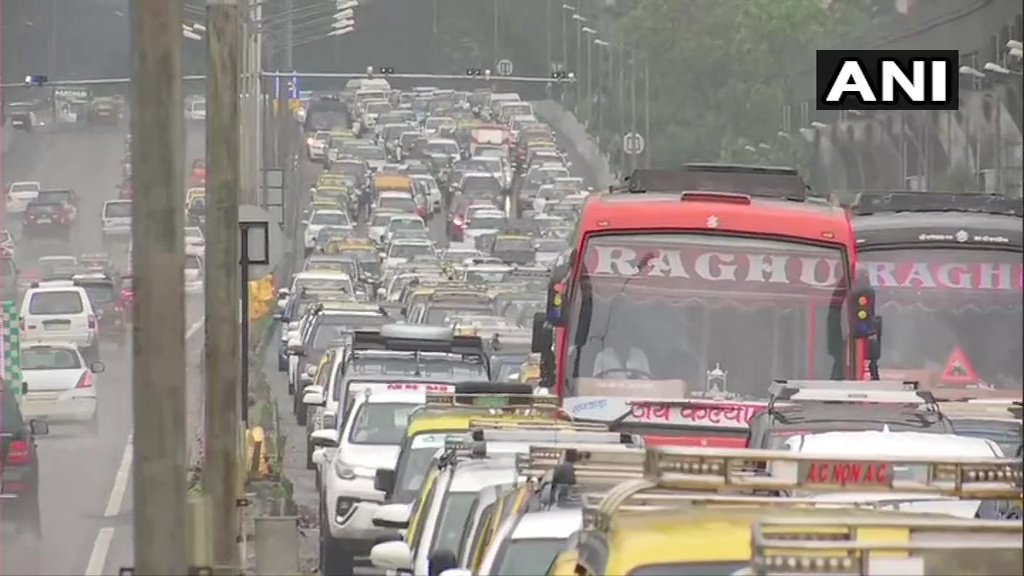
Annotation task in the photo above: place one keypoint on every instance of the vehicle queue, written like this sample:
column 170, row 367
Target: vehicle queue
column 502, row 371
column 486, row 391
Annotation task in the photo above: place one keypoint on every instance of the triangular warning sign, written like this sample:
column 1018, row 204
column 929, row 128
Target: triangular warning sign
column 959, row 370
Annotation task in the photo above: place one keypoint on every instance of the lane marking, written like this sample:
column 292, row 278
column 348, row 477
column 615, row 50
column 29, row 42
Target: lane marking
column 100, row 549
column 194, row 328
column 121, row 479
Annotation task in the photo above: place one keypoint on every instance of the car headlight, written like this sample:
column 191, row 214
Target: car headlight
column 348, row 472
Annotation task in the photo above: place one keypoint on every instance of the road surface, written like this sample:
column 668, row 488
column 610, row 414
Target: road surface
column 85, row 481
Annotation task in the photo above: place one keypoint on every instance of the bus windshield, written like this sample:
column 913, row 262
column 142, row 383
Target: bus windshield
column 951, row 316
column 653, row 314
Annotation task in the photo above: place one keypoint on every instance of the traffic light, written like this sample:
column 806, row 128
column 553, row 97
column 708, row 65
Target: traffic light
column 386, row 70
column 474, row 72
column 864, row 324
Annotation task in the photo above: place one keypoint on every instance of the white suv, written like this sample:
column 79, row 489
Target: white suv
column 59, row 311
column 367, row 439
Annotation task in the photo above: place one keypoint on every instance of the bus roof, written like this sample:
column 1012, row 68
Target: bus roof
column 708, row 210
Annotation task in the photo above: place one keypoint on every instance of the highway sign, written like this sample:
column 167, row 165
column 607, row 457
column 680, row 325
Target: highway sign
column 633, row 143
column 505, row 67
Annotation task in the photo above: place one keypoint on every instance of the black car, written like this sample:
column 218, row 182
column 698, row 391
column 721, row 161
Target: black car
column 104, row 291
column 19, row 474
column 47, row 219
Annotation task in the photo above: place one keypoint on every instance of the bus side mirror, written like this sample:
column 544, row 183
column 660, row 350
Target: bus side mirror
column 542, row 338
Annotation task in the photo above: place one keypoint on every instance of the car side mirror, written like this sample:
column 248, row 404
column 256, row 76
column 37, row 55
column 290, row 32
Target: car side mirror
column 97, row 367
column 394, row 555
column 394, row 516
column 441, row 561
column 324, row 438
column 384, row 480
column 542, row 337
column 295, row 347
column 39, row 427
column 404, row 312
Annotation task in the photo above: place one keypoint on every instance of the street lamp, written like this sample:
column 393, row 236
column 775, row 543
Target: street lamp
column 348, row 23
column 972, row 72
column 566, row 9
column 590, row 69
column 341, row 31
column 1015, row 45
column 996, row 68
column 347, row 13
column 343, row 4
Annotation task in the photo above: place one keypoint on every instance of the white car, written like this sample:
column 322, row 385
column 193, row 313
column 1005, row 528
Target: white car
column 196, row 110
column 483, row 222
column 59, row 311
column 316, row 145
column 195, row 241
column 403, row 222
column 379, row 223
column 117, row 219
column 194, row 272
column 59, row 384
column 7, row 243
column 434, row 197
column 396, row 201
column 19, row 194
column 402, row 251
column 529, row 543
column 320, row 219
column 369, row 440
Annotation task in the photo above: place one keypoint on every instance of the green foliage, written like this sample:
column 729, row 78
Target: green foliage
column 721, row 69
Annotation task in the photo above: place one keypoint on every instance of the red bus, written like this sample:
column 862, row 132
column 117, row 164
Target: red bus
column 689, row 291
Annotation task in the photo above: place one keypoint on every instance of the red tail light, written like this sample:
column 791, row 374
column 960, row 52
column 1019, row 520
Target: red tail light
column 18, row 453
column 92, row 321
column 458, row 221
column 85, row 381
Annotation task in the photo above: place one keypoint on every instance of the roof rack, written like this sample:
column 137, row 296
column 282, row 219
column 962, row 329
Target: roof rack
column 757, row 181
column 485, row 423
column 411, row 338
column 601, row 462
column 882, row 545
column 552, row 435
column 873, row 202
column 849, row 391
column 496, row 404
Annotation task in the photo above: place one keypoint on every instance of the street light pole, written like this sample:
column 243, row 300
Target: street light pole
column 158, row 256
column 221, row 477
column 647, row 112
column 632, row 103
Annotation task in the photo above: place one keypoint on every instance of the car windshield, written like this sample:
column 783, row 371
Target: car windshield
column 321, row 218
column 193, row 262
column 434, row 367
column 487, row 222
column 340, row 285
column 513, row 245
column 486, row 276
column 381, row 423
column 193, row 232
column 49, row 358
column 56, row 302
column 24, row 187
column 438, row 315
column 406, row 224
column 410, row 250
column 550, row 244
column 370, row 153
column 955, row 314
column 481, row 184
column 381, row 219
column 452, row 523
column 414, row 464
column 654, row 314
column 99, row 293
column 117, row 210
column 397, row 203
column 331, row 327
column 441, row 148
column 528, row 557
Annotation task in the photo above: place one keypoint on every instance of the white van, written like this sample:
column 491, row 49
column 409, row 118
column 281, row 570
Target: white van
column 194, row 270
column 59, row 311
column 117, row 219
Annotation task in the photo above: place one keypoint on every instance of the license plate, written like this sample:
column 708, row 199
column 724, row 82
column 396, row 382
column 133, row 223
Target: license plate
column 55, row 326
column 44, row 221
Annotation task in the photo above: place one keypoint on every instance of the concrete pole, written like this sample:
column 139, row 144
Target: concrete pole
column 158, row 253
column 497, row 54
column 288, row 10
column 223, row 357
column 622, row 105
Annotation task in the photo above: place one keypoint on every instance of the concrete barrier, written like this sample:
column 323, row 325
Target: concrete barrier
column 575, row 134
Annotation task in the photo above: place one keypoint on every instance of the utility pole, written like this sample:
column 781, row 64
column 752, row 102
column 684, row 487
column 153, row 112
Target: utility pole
column 158, row 255
column 221, row 470
column 497, row 55
column 622, row 102
column 547, row 31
